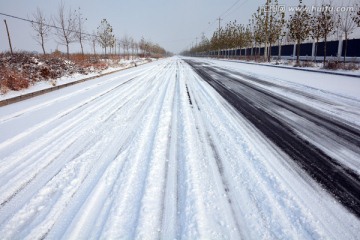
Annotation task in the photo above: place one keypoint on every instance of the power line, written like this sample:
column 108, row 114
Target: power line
column 236, row 8
column 45, row 24
column 224, row 14
column 230, row 8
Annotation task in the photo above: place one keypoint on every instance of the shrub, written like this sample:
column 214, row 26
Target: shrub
column 333, row 65
column 304, row 64
column 11, row 80
column 351, row 66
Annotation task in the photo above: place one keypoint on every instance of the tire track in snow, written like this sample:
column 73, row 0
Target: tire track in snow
column 170, row 200
column 66, row 126
column 70, row 110
column 215, row 157
column 152, row 204
column 198, row 189
column 44, row 150
column 134, row 181
column 94, row 224
column 109, row 116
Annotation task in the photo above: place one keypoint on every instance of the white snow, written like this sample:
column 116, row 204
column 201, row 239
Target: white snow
column 348, row 86
column 126, row 156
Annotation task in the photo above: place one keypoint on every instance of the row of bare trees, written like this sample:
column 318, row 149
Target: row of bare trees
column 68, row 26
column 322, row 24
column 269, row 26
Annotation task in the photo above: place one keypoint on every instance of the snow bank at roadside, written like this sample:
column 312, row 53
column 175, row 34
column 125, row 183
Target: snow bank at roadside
column 41, row 85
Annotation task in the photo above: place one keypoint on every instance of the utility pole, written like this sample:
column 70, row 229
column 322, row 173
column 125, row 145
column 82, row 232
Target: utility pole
column 267, row 9
column 219, row 34
column 119, row 44
column 7, row 30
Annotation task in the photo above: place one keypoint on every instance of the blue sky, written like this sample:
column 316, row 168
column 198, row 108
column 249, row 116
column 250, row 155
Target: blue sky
column 174, row 24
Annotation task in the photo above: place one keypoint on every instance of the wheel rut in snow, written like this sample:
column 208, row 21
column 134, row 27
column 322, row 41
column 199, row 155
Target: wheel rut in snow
column 187, row 90
column 342, row 182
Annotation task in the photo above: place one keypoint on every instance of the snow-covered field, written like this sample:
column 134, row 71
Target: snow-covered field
column 155, row 152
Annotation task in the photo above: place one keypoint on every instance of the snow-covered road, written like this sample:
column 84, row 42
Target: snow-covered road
column 156, row 152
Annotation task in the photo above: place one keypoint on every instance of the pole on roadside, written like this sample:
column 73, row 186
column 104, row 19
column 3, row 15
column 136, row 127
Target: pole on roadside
column 7, row 30
column 267, row 9
column 219, row 35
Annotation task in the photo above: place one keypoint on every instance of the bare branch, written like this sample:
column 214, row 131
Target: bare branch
column 41, row 28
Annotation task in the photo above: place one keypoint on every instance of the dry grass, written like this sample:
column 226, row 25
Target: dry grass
column 304, row 64
column 21, row 69
column 333, row 65
column 12, row 80
column 351, row 66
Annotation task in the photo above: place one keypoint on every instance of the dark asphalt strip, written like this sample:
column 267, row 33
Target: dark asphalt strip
column 341, row 182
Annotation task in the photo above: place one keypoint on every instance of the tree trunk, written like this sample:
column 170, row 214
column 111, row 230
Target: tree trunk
column 279, row 49
column 42, row 44
column 269, row 53
column 94, row 43
column 298, row 52
column 43, row 48
column 345, row 50
column 82, row 49
column 316, row 48
column 67, row 51
column 325, row 40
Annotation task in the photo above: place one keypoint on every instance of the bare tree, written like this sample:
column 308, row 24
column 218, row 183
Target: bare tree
column 93, row 40
column 299, row 28
column 125, row 42
column 66, row 23
column 346, row 25
column 136, row 46
column 41, row 27
column 118, row 42
column 105, row 36
column 260, row 32
column 327, row 24
column 315, row 32
column 113, row 45
column 80, row 29
column 276, row 22
column 142, row 46
column 132, row 46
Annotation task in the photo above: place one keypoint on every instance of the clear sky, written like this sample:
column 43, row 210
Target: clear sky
column 174, row 24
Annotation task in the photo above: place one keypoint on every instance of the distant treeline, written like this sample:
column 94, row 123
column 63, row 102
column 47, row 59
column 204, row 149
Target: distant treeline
column 270, row 29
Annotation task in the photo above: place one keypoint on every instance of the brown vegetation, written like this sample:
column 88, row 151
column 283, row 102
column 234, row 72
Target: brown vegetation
column 337, row 65
column 20, row 70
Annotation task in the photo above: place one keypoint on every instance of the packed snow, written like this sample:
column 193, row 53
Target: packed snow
column 155, row 152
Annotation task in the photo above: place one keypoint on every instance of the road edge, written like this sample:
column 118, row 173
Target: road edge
column 26, row 96
column 291, row 68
